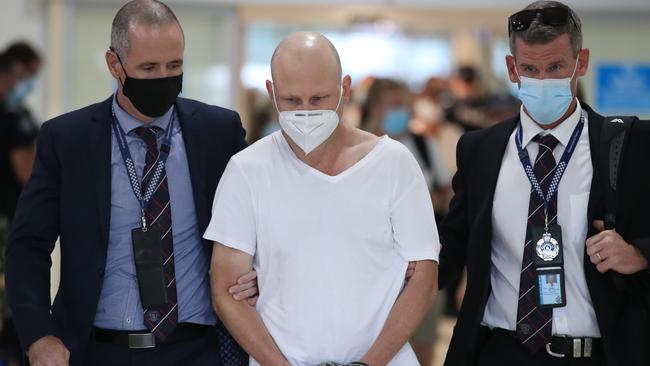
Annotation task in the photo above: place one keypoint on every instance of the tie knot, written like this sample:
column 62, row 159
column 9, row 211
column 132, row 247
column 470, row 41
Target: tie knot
column 148, row 134
column 549, row 141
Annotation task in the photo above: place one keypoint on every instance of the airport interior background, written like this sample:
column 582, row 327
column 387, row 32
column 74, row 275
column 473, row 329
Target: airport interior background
column 448, row 58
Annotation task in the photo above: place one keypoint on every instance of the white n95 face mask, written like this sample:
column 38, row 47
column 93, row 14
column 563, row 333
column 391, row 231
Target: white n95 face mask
column 308, row 129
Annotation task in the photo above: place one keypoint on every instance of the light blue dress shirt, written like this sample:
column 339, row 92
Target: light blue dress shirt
column 119, row 303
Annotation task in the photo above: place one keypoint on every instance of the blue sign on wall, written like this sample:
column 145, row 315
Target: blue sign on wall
column 623, row 88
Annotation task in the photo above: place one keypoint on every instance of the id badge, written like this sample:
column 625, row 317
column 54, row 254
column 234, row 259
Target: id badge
column 547, row 246
column 550, row 287
column 149, row 266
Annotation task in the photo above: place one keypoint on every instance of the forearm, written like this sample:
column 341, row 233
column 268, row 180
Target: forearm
column 407, row 314
column 244, row 323
column 241, row 319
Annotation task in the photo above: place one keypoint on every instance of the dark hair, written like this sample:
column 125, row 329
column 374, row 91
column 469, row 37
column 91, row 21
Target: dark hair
column 6, row 63
column 468, row 74
column 138, row 12
column 373, row 97
column 540, row 33
column 22, row 52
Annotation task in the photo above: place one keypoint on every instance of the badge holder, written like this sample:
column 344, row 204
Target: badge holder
column 149, row 265
column 549, row 266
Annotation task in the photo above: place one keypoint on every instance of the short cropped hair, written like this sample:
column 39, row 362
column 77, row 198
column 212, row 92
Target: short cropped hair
column 540, row 33
column 138, row 12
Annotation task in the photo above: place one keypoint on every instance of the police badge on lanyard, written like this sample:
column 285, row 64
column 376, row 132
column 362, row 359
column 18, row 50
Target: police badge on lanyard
column 549, row 265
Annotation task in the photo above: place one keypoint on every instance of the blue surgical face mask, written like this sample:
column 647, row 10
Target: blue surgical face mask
column 18, row 94
column 546, row 100
column 396, row 121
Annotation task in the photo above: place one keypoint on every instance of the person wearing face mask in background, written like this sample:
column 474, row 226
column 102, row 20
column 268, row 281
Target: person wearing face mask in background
column 386, row 111
column 15, row 144
column 18, row 132
column 126, row 184
column 19, row 129
column 329, row 216
column 527, row 208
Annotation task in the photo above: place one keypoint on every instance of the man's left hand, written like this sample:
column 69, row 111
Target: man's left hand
column 608, row 251
column 246, row 288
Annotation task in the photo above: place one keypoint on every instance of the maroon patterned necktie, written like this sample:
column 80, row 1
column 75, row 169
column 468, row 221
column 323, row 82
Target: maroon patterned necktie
column 534, row 324
column 161, row 320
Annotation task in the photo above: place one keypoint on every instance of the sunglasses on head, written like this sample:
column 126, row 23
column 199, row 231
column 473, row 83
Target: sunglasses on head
column 555, row 16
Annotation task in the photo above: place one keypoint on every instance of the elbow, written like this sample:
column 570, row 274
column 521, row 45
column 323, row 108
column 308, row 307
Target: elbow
column 432, row 288
column 220, row 297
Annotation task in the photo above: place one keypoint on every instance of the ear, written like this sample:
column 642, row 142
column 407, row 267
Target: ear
column 511, row 65
column 347, row 89
column 113, row 64
column 583, row 62
column 269, row 90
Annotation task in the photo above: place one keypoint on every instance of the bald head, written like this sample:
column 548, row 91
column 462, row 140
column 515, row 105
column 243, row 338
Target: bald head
column 305, row 50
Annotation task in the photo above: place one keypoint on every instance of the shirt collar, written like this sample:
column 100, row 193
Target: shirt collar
column 561, row 132
column 129, row 123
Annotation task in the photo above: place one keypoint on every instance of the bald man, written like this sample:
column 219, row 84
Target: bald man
column 329, row 216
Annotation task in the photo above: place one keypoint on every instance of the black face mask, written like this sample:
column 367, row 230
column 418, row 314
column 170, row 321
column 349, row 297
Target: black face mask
column 152, row 97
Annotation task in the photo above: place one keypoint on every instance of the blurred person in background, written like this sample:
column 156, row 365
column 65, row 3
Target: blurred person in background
column 11, row 147
column 468, row 99
column 386, row 111
column 19, row 132
column 429, row 122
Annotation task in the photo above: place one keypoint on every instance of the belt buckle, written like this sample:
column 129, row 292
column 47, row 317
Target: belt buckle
column 548, row 350
column 588, row 346
column 144, row 340
column 577, row 347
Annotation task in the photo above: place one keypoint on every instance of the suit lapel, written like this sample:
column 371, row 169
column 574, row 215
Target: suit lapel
column 191, row 128
column 493, row 148
column 99, row 167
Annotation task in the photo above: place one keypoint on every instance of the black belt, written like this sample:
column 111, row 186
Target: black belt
column 184, row 332
column 567, row 347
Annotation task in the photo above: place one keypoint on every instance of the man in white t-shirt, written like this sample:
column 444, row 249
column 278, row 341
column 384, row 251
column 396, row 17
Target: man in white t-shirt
column 329, row 216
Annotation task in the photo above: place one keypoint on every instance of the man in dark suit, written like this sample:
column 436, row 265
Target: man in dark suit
column 135, row 173
column 527, row 198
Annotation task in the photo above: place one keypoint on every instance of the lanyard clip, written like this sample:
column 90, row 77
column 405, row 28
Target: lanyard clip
column 144, row 222
column 545, row 220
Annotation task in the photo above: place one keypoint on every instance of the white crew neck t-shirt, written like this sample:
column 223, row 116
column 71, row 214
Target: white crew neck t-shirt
column 330, row 251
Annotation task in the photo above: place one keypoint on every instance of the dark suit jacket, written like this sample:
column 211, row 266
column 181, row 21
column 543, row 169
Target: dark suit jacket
column 467, row 232
column 69, row 196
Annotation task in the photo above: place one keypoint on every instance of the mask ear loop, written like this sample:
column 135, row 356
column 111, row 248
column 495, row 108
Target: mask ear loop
column 340, row 98
column 119, row 59
column 576, row 67
column 516, row 71
column 275, row 99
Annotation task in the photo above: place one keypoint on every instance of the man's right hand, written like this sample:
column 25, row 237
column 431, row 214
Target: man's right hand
column 48, row 351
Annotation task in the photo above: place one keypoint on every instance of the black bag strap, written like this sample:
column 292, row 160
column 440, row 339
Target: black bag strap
column 613, row 141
